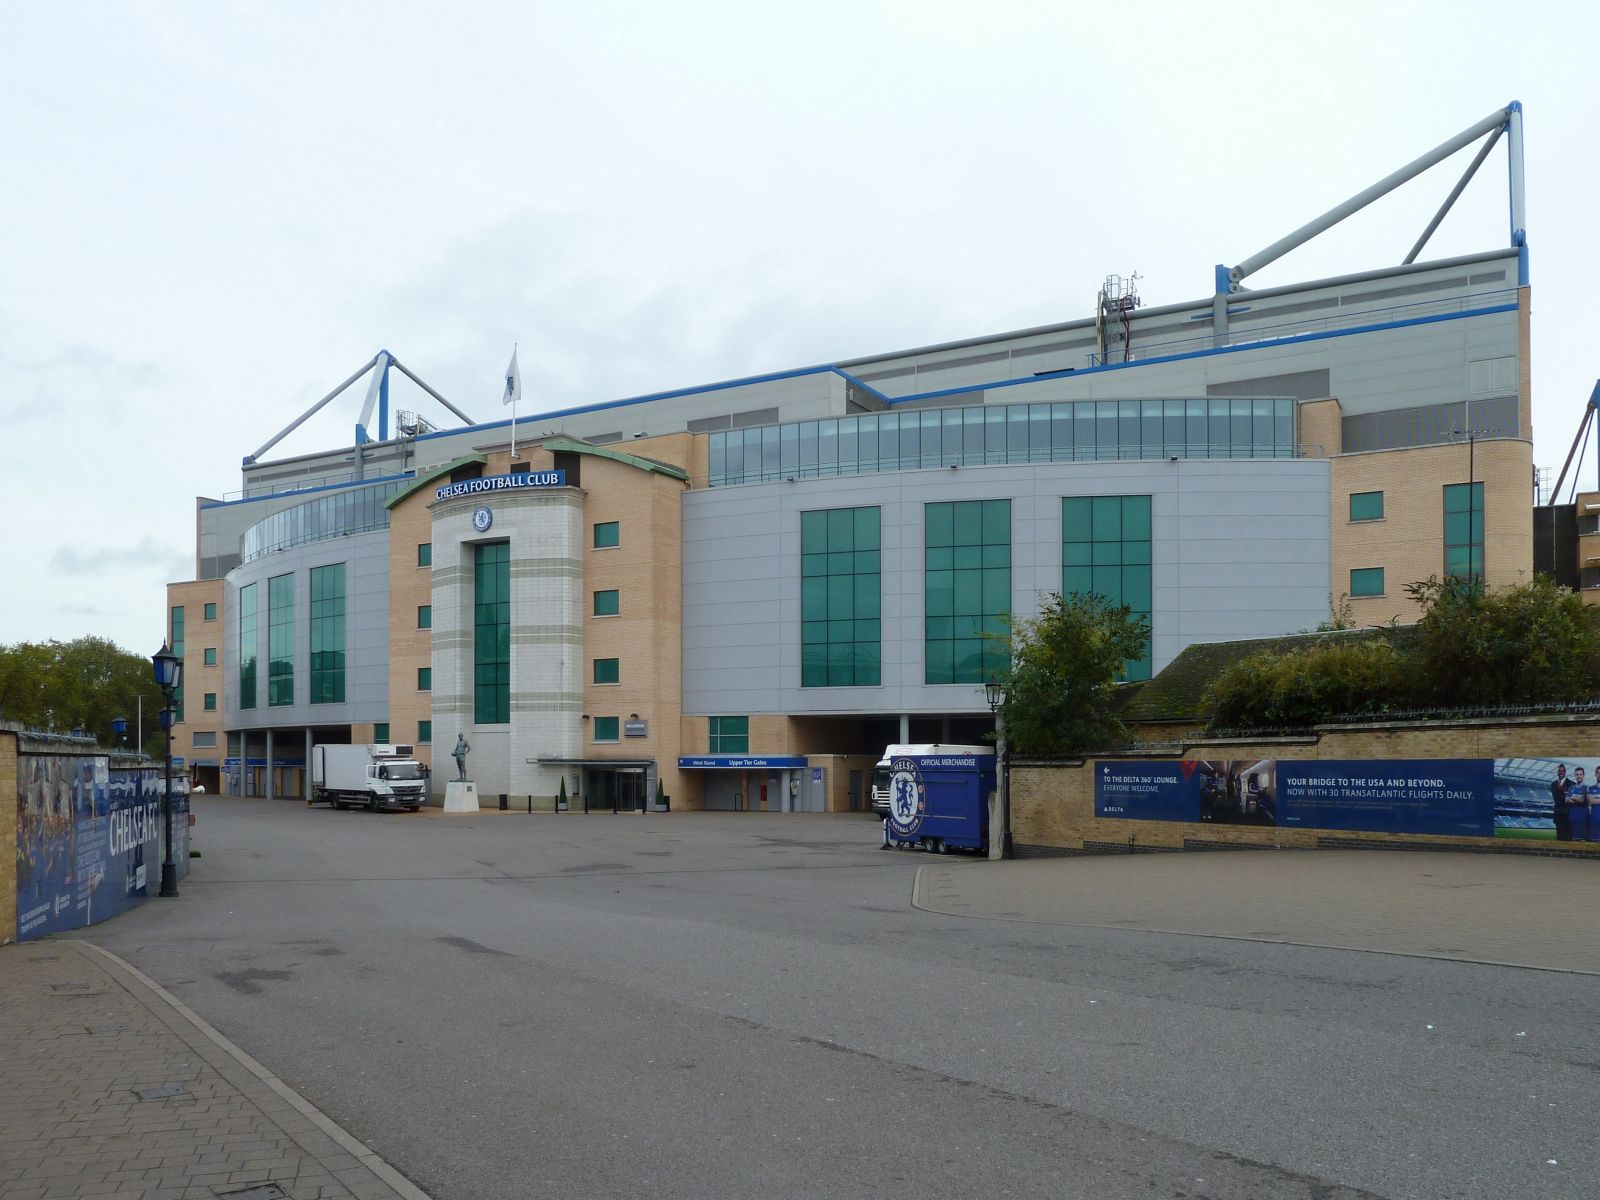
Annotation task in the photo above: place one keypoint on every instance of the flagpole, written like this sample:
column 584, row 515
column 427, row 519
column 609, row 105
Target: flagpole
column 514, row 408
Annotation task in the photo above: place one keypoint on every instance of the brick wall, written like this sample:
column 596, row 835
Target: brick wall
column 1052, row 804
column 9, row 800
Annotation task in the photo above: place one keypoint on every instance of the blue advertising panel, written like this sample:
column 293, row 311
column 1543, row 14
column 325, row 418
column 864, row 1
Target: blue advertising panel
column 1433, row 796
column 88, row 841
column 1454, row 797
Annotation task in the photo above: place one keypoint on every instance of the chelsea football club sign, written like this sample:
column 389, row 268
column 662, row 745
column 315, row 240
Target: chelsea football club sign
column 502, row 483
column 908, row 797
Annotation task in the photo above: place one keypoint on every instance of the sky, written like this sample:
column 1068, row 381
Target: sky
column 213, row 214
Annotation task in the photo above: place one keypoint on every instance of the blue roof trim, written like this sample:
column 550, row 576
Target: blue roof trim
column 326, row 487
column 1296, row 340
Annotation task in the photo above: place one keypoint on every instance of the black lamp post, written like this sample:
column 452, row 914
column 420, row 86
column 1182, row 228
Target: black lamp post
column 169, row 673
column 1000, row 820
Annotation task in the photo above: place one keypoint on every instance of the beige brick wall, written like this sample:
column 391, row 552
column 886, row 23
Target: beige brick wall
column 1408, row 543
column 1320, row 429
column 9, row 800
column 200, row 635
column 410, row 648
column 1053, row 806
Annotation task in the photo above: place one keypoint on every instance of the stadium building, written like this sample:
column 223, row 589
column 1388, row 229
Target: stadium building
column 737, row 593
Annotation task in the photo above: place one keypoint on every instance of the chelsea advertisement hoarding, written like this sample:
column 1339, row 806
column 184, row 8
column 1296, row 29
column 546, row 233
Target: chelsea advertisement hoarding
column 1535, row 799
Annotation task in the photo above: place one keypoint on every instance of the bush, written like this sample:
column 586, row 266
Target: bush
column 1299, row 689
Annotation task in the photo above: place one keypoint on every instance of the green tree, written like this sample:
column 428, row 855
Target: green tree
column 1297, row 690
column 1531, row 643
column 1064, row 667
column 84, row 684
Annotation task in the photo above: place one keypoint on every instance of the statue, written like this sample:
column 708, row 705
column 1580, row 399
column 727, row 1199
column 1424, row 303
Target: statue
column 460, row 755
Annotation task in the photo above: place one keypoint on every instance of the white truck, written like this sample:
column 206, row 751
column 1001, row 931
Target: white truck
column 375, row 776
column 881, row 773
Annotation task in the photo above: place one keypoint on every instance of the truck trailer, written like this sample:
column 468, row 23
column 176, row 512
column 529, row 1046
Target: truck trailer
column 367, row 776
column 934, row 796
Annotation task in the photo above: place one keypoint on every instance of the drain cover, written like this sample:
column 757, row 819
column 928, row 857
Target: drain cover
column 169, row 1092
column 260, row 1191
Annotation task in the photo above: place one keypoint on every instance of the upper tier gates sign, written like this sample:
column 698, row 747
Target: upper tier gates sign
column 502, row 483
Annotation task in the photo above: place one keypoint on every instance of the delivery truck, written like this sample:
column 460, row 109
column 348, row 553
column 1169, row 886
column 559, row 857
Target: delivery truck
column 935, row 796
column 367, row 776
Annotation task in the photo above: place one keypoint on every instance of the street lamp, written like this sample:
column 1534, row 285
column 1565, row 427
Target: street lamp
column 169, row 674
column 1000, row 818
column 119, row 726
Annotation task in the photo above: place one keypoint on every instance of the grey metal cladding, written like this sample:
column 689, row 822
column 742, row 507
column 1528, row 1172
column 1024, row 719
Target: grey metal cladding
column 1302, row 385
column 755, row 416
column 705, row 424
column 1283, row 310
column 1431, row 425
column 1487, row 277
column 1410, row 289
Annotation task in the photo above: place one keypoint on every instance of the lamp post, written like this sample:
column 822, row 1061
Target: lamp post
column 119, row 726
column 169, row 673
column 1000, row 815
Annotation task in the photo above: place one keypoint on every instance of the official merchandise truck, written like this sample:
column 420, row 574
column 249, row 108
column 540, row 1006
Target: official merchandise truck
column 375, row 776
column 934, row 796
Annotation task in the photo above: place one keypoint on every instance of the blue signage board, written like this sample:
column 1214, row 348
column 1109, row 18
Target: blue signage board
column 88, row 841
column 1444, row 797
column 732, row 762
column 488, row 484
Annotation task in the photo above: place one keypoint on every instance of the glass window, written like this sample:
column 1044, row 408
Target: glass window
column 211, row 656
column 966, row 589
column 607, row 604
column 327, row 634
column 425, row 554
column 205, row 739
column 1366, row 581
column 176, row 644
column 840, row 564
column 424, row 679
column 607, row 670
column 1463, row 531
column 280, row 641
column 491, row 634
column 1366, row 506
column 424, row 733
column 1105, row 551
column 606, row 729
column 247, row 646
column 424, row 616
column 729, row 735
column 607, row 534
column 211, row 611
column 211, row 702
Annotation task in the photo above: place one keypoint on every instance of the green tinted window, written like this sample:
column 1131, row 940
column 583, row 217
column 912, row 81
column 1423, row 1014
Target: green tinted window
column 424, row 616
column 380, row 732
column 425, row 554
column 607, row 604
column 966, row 589
column 327, row 634
column 211, row 611
column 729, row 735
column 424, row 679
column 211, row 656
column 176, row 643
column 1106, row 551
column 1366, row 581
column 491, row 639
column 607, row 670
column 424, row 733
column 211, row 702
column 1366, row 506
column 1463, row 531
column 607, row 534
column 606, row 729
column 840, row 598
column 280, row 641
column 247, row 646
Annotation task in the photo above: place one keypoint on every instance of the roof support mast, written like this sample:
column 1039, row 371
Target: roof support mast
column 1507, row 120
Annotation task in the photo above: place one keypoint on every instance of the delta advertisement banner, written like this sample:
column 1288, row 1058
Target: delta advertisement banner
column 1533, row 799
column 89, row 840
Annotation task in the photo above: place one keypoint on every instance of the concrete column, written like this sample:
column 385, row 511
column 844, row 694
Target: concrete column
column 905, row 728
column 944, row 728
column 305, row 775
column 271, row 790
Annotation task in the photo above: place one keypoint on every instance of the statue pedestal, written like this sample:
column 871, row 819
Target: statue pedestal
column 461, row 797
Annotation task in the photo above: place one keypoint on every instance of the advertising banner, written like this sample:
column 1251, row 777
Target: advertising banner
column 88, row 840
column 1539, row 799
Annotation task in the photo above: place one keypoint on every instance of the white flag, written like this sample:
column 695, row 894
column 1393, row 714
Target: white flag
column 513, row 382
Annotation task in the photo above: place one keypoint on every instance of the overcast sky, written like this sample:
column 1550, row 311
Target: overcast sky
column 212, row 214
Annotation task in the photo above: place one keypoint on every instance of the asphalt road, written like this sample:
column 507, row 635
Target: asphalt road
column 747, row 1005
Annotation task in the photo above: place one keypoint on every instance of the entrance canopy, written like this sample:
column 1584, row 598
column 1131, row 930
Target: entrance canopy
column 741, row 762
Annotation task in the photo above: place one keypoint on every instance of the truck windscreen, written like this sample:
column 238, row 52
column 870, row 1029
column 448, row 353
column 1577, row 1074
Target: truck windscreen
column 405, row 770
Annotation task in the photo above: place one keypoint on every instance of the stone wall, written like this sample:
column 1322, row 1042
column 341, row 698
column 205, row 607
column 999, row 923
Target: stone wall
column 8, row 836
column 1052, row 803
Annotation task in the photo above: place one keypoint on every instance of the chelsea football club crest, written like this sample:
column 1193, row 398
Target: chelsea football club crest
column 908, row 797
column 482, row 518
